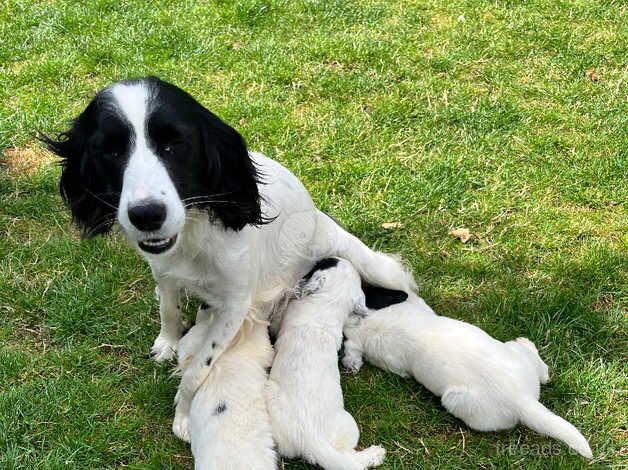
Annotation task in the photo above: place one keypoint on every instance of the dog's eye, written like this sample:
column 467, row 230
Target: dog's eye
column 170, row 148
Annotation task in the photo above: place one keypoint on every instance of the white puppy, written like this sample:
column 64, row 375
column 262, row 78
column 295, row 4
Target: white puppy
column 304, row 395
column 488, row 384
column 229, row 423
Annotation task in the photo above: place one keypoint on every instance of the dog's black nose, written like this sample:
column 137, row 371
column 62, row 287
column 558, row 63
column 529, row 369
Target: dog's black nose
column 147, row 216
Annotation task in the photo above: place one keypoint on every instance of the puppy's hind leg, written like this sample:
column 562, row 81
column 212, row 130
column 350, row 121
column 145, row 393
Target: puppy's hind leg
column 533, row 352
column 372, row 456
column 346, row 434
column 477, row 409
column 327, row 456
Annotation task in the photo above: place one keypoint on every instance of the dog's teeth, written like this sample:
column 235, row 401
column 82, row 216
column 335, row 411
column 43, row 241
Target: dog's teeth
column 161, row 242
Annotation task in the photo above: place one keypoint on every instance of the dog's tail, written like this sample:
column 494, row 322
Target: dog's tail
column 538, row 418
column 327, row 456
column 375, row 268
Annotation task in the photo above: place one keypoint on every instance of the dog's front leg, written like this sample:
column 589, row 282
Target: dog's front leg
column 171, row 327
column 223, row 328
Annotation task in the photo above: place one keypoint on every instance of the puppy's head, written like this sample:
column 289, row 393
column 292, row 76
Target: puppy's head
column 335, row 278
column 145, row 151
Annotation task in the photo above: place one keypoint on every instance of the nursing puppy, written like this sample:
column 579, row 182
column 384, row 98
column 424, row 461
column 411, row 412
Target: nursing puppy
column 229, row 423
column 488, row 384
column 304, row 395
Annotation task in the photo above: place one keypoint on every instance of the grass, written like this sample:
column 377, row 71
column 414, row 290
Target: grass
column 433, row 114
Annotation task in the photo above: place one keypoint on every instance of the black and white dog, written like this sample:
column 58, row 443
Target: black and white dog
column 232, row 227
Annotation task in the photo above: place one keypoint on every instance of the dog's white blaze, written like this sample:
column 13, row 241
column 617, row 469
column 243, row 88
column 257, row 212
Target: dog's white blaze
column 145, row 176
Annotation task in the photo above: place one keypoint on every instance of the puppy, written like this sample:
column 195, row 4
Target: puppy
column 229, row 423
column 303, row 392
column 488, row 384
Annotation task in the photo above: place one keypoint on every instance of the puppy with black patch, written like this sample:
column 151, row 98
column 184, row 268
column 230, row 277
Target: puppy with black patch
column 304, row 396
column 229, row 424
column 488, row 384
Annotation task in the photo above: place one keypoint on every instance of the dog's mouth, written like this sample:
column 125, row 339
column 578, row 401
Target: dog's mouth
column 157, row 246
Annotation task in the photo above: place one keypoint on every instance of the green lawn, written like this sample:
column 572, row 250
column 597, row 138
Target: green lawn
column 432, row 114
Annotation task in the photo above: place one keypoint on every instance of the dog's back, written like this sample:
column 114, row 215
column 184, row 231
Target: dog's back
column 229, row 423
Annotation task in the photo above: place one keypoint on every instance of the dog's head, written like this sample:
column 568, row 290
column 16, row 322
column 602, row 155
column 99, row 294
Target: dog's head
column 143, row 152
column 335, row 278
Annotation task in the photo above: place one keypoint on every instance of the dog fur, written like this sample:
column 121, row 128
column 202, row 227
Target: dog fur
column 303, row 392
column 488, row 384
column 229, row 423
column 231, row 227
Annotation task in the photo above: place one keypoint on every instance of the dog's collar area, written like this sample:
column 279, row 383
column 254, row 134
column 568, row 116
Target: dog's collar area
column 157, row 246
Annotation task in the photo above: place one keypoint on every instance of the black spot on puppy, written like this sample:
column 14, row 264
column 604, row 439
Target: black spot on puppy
column 321, row 265
column 214, row 345
column 209, row 361
column 220, row 408
column 204, row 306
column 379, row 297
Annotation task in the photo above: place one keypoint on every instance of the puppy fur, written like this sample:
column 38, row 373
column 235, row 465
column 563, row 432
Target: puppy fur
column 229, row 424
column 488, row 384
column 303, row 392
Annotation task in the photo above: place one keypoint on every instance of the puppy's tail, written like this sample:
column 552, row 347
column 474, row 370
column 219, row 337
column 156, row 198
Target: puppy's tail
column 375, row 268
column 327, row 456
column 538, row 418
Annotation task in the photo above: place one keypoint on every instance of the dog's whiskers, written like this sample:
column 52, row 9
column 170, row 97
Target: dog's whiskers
column 200, row 202
column 206, row 196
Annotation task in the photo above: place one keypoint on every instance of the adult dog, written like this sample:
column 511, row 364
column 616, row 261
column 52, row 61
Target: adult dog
column 232, row 227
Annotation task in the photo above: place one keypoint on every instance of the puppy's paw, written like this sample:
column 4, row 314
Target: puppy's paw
column 352, row 362
column 372, row 456
column 163, row 349
column 180, row 427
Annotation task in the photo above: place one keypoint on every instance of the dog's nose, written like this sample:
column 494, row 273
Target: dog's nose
column 147, row 216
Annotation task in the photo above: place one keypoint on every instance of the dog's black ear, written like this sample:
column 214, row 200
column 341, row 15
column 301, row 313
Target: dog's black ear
column 93, row 208
column 233, row 175
column 379, row 297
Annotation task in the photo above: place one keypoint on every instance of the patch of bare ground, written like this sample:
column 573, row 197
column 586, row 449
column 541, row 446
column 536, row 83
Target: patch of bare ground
column 25, row 161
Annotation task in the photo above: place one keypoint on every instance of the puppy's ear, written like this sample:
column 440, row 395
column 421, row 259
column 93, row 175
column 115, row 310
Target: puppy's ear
column 92, row 204
column 307, row 286
column 232, row 175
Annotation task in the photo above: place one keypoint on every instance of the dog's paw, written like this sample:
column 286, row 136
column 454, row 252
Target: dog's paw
column 163, row 349
column 352, row 362
column 372, row 456
column 180, row 427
